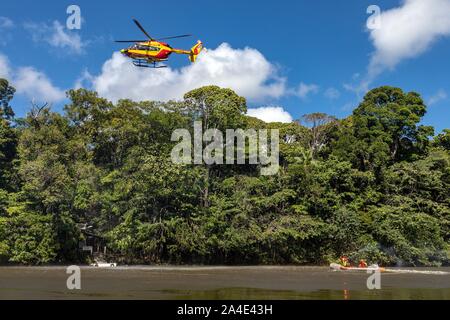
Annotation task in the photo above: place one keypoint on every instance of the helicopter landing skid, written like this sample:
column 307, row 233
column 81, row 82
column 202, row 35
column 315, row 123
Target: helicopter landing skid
column 146, row 64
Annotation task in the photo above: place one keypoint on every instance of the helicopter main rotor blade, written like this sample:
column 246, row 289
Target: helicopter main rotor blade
column 142, row 29
column 130, row 41
column 175, row 37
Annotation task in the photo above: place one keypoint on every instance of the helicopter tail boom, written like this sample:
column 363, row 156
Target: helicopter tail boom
column 193, row 53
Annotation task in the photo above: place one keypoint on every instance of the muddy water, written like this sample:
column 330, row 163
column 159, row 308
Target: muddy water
column 220, row 283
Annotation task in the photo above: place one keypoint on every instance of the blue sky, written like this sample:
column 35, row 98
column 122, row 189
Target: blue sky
column 301, row 56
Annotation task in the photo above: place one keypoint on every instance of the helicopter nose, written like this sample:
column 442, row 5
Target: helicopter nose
column 124, row 51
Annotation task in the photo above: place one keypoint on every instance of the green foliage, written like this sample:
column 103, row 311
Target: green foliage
column 6, row 95
column 443, row 140
column 8, row 154
column 8, row 139
column 369, row 186
column 217, row 108
column 27, row 238
column 384, row 129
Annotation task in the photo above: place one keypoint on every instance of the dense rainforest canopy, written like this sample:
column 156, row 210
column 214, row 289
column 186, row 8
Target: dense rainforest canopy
column 375, row 185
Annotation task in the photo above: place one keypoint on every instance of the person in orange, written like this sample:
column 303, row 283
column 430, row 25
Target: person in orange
column 362, row 263
column 344, row 261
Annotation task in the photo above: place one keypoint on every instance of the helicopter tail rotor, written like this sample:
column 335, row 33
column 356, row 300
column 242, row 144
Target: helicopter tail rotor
column 195, row 51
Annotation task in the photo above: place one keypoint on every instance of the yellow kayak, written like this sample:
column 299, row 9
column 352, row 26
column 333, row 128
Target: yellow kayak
column 338, row 267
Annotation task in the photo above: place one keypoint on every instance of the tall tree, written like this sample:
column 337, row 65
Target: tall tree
column 216, row 108
column 389, row 115
column 48, row 158
column 443, row 139
column 385, row 128
column 8, row 153
column 8, row 138
column 6, row 95
column 319, row 125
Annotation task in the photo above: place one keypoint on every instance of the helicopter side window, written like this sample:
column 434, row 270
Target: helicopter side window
column 144, row 48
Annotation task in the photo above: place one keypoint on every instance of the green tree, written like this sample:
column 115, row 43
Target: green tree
column 47, row 163
column 8, row 154
column 216, row 108
column 385, row 128
column 8, row 137
column 319, row 125
column 6, row 95
column 443, row 140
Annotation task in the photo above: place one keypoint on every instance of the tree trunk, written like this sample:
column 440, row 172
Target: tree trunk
column 206, row 190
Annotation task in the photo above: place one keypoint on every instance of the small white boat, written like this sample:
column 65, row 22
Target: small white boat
column 104, row 265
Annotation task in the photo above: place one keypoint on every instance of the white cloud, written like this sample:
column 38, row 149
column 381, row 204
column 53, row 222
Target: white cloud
column 407, row 32
column 30, row 82
column 304, row 90
column 332, row 93
column 6, row 23
column 36, row 85
column 84, row 80
column 5, row 70
column 437, row 97
column 270, row 114
column 359, row 88
column 246, row 71
column 56, row 36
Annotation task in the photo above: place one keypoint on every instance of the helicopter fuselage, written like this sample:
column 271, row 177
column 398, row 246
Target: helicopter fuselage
column 151, row 51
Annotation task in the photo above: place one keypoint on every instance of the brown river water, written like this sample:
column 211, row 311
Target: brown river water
column 211, row 283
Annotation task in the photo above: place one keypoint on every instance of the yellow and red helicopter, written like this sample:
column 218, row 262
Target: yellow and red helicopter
column 149, row 53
